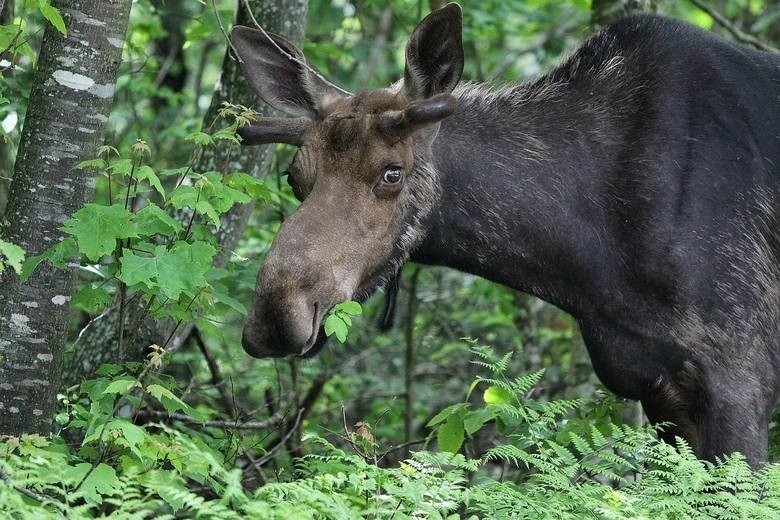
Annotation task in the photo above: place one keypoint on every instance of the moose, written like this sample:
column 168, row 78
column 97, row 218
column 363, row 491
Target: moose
column 635, row 186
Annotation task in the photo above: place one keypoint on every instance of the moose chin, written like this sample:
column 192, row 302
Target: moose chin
column 636, row 186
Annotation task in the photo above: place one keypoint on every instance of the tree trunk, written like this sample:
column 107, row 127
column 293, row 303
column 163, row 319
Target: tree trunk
column 284, row 17
column 608, row 11
column 69, row 104
column 95, row 347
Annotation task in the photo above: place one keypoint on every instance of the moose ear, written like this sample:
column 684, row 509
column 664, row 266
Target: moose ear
column 434, row 54
column 283, row 83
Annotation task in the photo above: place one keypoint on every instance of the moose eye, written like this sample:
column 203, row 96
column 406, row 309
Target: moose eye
column 392, row 175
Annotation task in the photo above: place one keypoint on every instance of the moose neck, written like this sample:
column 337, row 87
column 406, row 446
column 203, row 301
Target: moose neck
column 524, row 172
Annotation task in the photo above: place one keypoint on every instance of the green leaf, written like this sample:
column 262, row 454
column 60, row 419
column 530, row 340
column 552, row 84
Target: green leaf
column 451, row 434
column 120, row 385
column 220, row 292
column 205, row 207
column 183, row 267
column 457, row 408
column 137, row 269
column 335, row 325
column 180, row 269
column 97, row 228
column 168, row 399
column 108, row 369
column 12, row 255
column 98, row 164
column 226, row 134
column 496, row 395
column 474, row 420
column 121, row 167
column 53, row 15
column 100, row 481
column 200, row 139
column 184, row 196
column 146, row 173
column 152, row 220
column 132, row 435
column 351, row 307
column 253, row 187
column 91, row 299
column 58, row 255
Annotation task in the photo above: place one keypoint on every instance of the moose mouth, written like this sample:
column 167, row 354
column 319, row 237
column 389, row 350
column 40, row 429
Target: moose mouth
column 316, row 341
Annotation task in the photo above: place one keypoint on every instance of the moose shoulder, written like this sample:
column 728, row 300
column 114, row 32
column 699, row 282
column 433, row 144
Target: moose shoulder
column 636, row 186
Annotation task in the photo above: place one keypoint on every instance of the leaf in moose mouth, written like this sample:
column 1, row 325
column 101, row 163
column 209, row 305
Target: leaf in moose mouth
column 339, row 319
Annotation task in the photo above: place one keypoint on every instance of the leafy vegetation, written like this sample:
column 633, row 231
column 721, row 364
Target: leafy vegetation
column 557, row 459
column 413, row 423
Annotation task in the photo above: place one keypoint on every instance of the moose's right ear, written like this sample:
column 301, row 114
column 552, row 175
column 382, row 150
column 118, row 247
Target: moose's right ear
column 434, row 54
column 283, row 83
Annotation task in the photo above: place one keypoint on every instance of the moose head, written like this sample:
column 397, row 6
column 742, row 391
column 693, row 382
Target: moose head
column 361, row 173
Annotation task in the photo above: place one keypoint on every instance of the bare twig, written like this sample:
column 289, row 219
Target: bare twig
column 216, row 375
column 12, row 43
column 347, row 432
column 224, row 32
column 735, row 31
column 236, row 425
column 5, row 477
column 401, row 446
column 288, row 55
column 283, row 440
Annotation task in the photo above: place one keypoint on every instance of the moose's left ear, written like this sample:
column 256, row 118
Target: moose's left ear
column 434, row 54
column 283, row 83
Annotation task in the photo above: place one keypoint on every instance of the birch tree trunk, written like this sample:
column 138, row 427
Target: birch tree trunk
column 69, row 104
column 95, row 347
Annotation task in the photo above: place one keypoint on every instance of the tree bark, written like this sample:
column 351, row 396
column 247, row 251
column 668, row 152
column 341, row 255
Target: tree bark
column 95, row 347
column 69, row 104
column 284, row 17
column 608, row 11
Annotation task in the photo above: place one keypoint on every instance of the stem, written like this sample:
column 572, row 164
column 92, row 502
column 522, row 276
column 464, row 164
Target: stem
column 121, row 324
column 733, row 29
column 130, row 184
column 216, row 374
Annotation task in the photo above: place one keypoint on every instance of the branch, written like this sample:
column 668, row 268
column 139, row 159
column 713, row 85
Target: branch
column 282, row 441
column 288, row 55
column 733, row 29
column 401, row 446
column 216, row 375
column 224, row 32
column 5, row 477
column 236, row 425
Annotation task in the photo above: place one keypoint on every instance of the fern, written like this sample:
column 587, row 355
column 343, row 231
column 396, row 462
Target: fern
column 548, row 460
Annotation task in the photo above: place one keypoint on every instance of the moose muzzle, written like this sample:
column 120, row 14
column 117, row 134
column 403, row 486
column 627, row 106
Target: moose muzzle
column 300, row 280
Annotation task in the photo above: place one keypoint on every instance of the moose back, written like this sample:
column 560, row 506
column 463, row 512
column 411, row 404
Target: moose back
column 636, row 186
